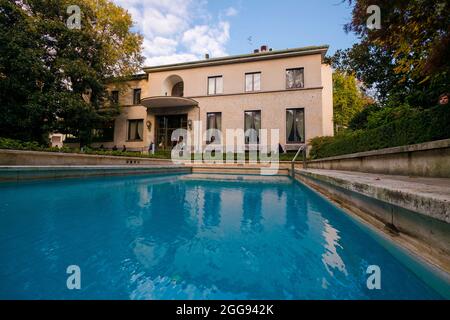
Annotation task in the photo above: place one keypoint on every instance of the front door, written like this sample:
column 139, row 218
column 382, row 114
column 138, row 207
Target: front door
column 165, row 125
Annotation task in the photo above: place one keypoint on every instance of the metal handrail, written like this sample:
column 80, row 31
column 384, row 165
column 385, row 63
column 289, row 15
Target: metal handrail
column 302, row 148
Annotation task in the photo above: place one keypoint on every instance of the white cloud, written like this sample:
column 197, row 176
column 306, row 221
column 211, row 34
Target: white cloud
column 159, row 46
column 170, row 59
column 178, row 30
column 231, row 12
column 206, row 39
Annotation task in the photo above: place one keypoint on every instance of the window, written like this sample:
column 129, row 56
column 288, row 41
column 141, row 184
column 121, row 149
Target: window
column 253, row 81
column 294, row 78
column 104, row 132
column 213, row 121
column 295, row 125
column 137, row 96
column 252, row 125
column 135, row 130
column 115, row 97
column 215, row 85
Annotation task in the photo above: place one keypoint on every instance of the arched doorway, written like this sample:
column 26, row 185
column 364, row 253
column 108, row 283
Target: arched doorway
column 178, row 89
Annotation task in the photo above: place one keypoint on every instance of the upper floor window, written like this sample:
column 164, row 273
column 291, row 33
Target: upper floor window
column 253, row 81
column 294, row 78
column 115, row 96
column 137, row 96
column 215, row 85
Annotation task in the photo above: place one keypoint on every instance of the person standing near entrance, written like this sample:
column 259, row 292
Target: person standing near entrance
column 151, row 148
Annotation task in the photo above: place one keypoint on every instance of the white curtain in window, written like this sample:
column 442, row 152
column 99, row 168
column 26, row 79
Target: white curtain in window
column 300, row 125
column 213, row 125
column 248, row 82
column 140, row 130
column 219, row 85
column 211, row 86
column 289, row 79
column 294, row 78
column 298, row 75
column 257, row 81
column 252, row 126
column 289, row 125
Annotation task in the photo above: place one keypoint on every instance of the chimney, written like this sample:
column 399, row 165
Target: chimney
column 256, row 51
column 206, row 56
column 263, row 48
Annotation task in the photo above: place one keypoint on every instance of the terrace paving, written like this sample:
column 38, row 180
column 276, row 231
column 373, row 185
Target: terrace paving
column 428, row 196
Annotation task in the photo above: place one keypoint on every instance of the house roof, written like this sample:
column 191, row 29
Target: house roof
column 266, row 55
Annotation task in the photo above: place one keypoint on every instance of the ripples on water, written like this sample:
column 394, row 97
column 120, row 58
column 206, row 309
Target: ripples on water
column 177, row 237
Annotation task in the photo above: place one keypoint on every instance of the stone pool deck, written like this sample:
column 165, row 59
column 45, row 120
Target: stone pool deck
column 416, row 209
column 428, row 196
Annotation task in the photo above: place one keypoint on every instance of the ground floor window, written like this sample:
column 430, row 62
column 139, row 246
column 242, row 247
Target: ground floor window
column 103, row 132
column 135, row 130
column 165, row 126
column 213, row 122
column 295, row 125
column 252, row 125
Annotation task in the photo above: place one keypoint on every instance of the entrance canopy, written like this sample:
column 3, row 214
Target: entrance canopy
column 168, row 102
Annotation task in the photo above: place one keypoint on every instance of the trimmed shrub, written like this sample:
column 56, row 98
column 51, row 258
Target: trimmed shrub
column 414, row 127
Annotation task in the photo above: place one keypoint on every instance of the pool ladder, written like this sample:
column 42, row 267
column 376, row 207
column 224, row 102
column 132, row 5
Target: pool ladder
column 302, row 149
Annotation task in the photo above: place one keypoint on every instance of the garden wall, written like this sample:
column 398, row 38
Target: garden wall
column 429, row 159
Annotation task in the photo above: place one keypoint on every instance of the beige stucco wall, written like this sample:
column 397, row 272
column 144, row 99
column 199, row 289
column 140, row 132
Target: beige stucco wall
column 121, row 127
column 273, row 99
column 327, row 100
column 273, row 107
column 126, row 90
column 273, row 76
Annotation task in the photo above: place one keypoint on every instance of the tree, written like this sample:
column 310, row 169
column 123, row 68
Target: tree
column 371, row 65
column 406, row 61
column 47, row 69
column 348, row 100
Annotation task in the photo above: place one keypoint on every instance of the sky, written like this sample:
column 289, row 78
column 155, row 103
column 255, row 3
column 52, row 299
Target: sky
column 184, row 30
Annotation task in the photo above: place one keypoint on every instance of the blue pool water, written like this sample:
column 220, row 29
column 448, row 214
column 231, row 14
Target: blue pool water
column 182, row 237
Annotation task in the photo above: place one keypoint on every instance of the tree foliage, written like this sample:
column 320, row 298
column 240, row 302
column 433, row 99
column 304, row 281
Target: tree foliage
column 407, row 59
column 348, row 99
column 52, row 78
column 405, row 66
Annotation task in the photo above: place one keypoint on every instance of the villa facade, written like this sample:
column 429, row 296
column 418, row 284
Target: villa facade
column 289, row 90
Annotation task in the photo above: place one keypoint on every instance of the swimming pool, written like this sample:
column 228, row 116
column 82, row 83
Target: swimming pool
column 189, row 237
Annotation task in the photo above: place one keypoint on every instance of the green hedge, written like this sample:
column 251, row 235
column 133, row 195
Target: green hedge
column 6, row 143
column 419, row 126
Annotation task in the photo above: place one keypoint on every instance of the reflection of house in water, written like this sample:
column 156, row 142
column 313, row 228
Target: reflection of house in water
column 251, row 209
column 331, row 258
column 296, row 211
column 166, row 225
column 211, row 216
